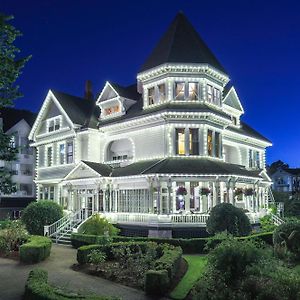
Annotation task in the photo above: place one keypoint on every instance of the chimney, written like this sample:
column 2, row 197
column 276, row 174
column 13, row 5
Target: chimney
column 88, row 93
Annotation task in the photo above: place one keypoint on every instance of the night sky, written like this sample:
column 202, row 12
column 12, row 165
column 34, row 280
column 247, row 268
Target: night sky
column 258, row 43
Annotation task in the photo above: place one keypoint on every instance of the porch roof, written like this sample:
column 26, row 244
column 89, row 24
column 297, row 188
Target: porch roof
column 188, row 166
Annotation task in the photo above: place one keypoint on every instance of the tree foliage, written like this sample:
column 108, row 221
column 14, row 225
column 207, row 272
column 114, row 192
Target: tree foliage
column 10, row 69
column 226, row 217
column 38, row 214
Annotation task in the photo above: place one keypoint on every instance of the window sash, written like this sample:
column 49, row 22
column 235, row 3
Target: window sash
column 193, row 91
column 161, row 92
column 194, row 141
column 69, row 152
column 180, row 141
column 61, row 153
column 217, row 144
column 179, row 90
column 151, row 96
column 209, row 142
column 49, row 156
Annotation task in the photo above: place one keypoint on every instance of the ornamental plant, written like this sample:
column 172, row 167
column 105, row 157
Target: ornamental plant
column 38, row 214
column 238, row 191
column 181, row 191
column 248, row 192
column 226, row 217
column 205, row 191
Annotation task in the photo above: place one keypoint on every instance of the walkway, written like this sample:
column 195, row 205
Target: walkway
column 13, row 276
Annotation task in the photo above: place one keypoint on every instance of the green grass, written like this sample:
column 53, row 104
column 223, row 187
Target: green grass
column 196, row 267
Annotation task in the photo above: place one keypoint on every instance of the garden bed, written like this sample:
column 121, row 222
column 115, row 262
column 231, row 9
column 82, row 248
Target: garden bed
column 144, row 265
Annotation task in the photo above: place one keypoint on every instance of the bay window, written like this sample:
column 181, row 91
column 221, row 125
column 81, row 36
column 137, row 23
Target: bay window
column 209, row 93
column 194, row 141
column 179, row 90
column 193, row 91
column 161, row 92
column 213, row 95
column 180, row 141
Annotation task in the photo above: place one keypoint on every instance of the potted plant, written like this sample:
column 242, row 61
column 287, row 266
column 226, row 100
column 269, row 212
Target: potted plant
column 238, row 191
column 181, row 191
column 204, row 191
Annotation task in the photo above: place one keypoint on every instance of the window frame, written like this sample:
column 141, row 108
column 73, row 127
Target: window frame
column 180, row 141
column 49, row 162
column 69, row 153
column 193, row 141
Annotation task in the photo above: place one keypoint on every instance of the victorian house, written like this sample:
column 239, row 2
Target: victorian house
column 157, row 155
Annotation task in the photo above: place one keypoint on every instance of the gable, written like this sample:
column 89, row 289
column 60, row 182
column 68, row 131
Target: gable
column 50, row 108
column 107, row 93
column 232, row 100
column 82, row 171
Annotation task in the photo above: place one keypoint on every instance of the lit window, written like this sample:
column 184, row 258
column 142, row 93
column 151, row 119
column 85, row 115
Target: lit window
column 61, row 153
column 112, row 110
column 209, row 93
column 69, row 152
column 151, row 96
column 194, row 141
column 162, row 92
column 179, row 90
column 209, row 143
column 180, row 141
column 49, row 156
column 193, row 91
column 217, row 144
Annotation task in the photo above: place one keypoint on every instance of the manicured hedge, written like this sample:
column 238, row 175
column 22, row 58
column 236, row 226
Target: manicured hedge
column 35, row 250
column 189, row 246
column 37, row 288
column 158, row 281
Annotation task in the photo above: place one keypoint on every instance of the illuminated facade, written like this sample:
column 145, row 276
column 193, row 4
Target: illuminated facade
column 127, row 154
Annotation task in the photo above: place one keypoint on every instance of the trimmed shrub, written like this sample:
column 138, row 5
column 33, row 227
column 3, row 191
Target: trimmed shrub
column 226, row 217
column 37, row 288
column 286, row 239
column 4, row 224
column 157, row 282
column 191, row 246
column 38, row 214
column 37, row 249
column 97, row 225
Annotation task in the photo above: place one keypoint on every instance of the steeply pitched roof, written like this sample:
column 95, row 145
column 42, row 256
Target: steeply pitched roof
column 129, row 92
column 249, row 131
column 181, row 43
column 12, row 116
column 81, row 111
column 201, row 166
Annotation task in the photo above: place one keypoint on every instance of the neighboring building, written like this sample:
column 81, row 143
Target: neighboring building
column 137, row 149
column 17, row 122
column 286, row 180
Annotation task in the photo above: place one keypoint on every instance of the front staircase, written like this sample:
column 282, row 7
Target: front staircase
column 60, row 231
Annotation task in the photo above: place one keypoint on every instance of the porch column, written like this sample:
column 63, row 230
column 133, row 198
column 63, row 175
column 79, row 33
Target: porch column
column 187, row 197
column 97, row 200
column 211, row 196
column 169, row 206
column 116, row 197
column 104, row 199
column 174, row 197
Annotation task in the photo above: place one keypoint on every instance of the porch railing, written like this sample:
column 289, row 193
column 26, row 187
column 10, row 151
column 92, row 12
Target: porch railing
column 276, row 220
column 63, row 226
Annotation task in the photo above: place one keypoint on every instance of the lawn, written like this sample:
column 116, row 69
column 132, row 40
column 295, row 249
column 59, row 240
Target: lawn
column 196, row 267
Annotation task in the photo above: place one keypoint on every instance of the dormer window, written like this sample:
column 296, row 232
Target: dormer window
column 112, row 110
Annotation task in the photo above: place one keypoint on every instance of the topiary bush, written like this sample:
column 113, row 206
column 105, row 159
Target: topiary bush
column 38, row 214
column 97, row 225
column 226, row 217
column 37, row 249
column 286, row 239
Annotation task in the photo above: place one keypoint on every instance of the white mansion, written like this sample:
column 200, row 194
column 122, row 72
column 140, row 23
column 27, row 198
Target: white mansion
column 158, row 154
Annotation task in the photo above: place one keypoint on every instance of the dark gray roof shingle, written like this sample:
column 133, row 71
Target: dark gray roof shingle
column 181, row 43
column 81, row 111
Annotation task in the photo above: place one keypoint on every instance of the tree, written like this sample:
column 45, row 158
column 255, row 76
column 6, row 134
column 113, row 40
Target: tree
column 10, row 69
column 226, row 217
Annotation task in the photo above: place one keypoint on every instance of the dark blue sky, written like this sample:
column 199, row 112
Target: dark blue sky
column 258, row 43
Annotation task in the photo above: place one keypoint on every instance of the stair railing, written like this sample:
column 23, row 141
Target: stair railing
column 276, row 220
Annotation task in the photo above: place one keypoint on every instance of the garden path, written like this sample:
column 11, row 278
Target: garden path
column 13, row 276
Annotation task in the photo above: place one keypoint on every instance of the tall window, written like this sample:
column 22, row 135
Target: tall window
column 180, row 90
column 217, row 96
column 193, row 91
column 194, row 141
column 151, row 96
column 180, row 141
column 217, row 144
column 257, row 160
column 61, row 153
column 209, row 93
column 162, row 92
column 49, row 156
column 209, row 143
column 250, row 158
column 69, row 152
